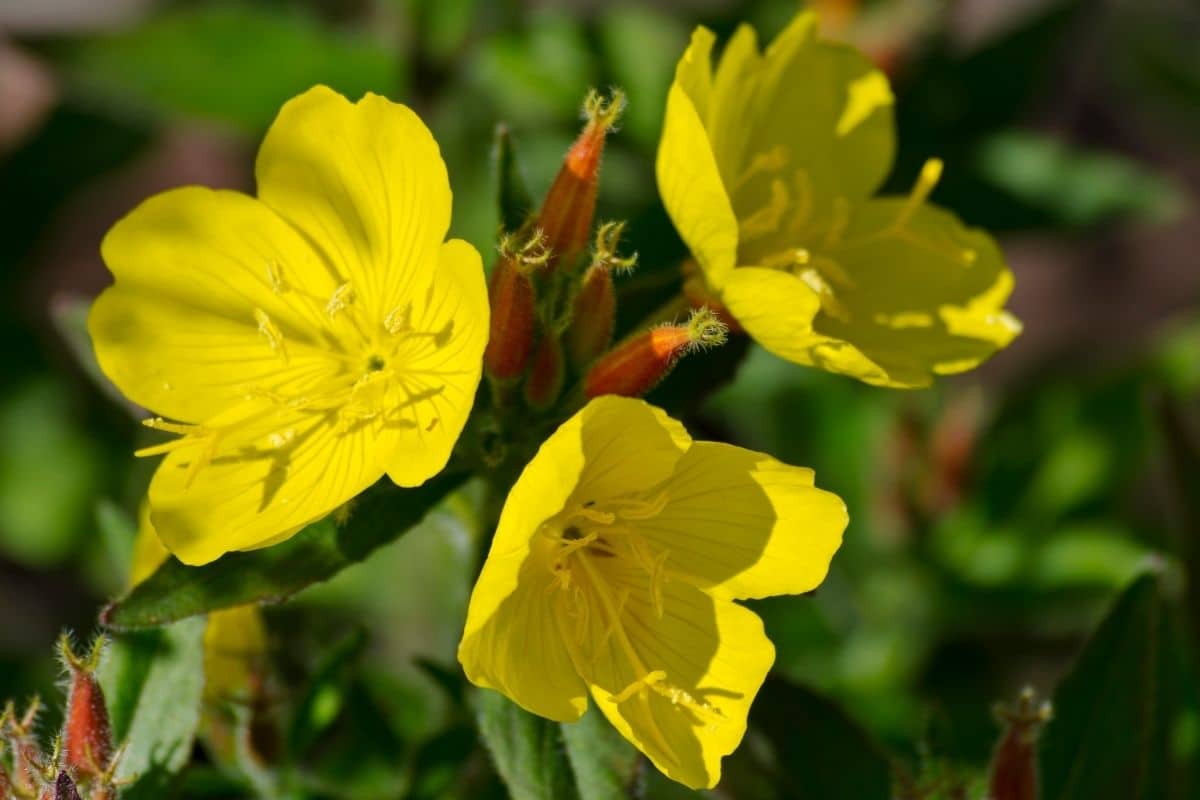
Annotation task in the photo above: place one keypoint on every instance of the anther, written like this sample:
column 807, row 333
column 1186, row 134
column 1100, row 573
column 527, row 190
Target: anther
column 398, row 320
column 342, row 297
column 275, row 277
column 271, row 333
column 931, row 173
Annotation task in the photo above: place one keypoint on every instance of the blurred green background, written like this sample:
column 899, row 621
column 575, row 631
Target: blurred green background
column 994, row 518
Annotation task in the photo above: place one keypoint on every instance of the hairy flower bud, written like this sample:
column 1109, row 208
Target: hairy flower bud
column 511, row 337
column 595, row 304
column 87, row 733
column 635, row 366
column 566, row 215
column 546, row 374
column 1013, row 774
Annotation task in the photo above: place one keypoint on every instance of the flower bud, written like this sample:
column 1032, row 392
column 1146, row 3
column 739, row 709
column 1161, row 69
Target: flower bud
column 511, row 337
column 545, row 379
column 1013, row 774
column 87, row 734
column 566, row 215
column 595, row 304
column 635, row 366
column 17, row 737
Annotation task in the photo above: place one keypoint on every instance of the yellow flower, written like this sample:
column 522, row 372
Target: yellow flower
column 614, row 570
column 235, row 639
column 769, row 169
column 305, row 342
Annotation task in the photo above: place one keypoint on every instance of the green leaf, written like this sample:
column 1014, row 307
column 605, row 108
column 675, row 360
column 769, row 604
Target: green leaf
column 231, row 62
column 154, row 682
column 1078, row 187
column 604, row 763
column 1116, row 714
column 512, row 193
column 819, row 751
column 526, row 749
column 1181, row 441
column 380, row 515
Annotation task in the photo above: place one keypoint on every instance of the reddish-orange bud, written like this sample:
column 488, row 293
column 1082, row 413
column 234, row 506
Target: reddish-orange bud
column 87, row 734
column 1014, row 762
column 635, row 366
column 567, row 211
column 592, row 323
column 511, row 338
column 545, row 379
column 595, row 304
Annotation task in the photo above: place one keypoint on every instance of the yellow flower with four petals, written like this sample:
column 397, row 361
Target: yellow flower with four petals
column 614, row 572
column 304, row 342
column 769, row 167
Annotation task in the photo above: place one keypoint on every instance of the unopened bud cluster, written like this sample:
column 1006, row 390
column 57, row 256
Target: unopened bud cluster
column 553, row 309
column 82, row 759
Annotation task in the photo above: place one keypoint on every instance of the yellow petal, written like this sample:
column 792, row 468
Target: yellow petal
column 440, row 363
column 267, row 471
column 519, row 649
column 179, row 333
column 692, row 191
column 746, row 525
column 829, row 108
column 365, row 183
column 628, row 447
column 774, row 307
column 928, row 293
column 735, row 100
column 693, row 73
column 148, row 551
column 235, row 646
column 678, row 686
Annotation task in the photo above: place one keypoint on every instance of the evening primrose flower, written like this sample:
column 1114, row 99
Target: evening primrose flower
column 769, row 167
column 303, row 342
column 614, row 570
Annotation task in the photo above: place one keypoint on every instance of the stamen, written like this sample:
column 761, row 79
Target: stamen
column 398, row 320
column 646, row 681
column 271, row 333
column 763, row 163
column 180, row 428
column 829, row 302
column 622, row 598
column 281, row 439
column 275, row 277
column 342, row 297
column 642, row 509
column 837, row 226
column 931, row 173
column 804, row 195
column 766, row 219
column 681, row 697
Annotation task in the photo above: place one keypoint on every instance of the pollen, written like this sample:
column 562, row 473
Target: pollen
column 341, row 299
column 398, row 320
column 271, row 333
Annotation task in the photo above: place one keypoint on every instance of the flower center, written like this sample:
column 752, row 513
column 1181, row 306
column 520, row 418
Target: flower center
column 373, row 375
column 589, row 546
